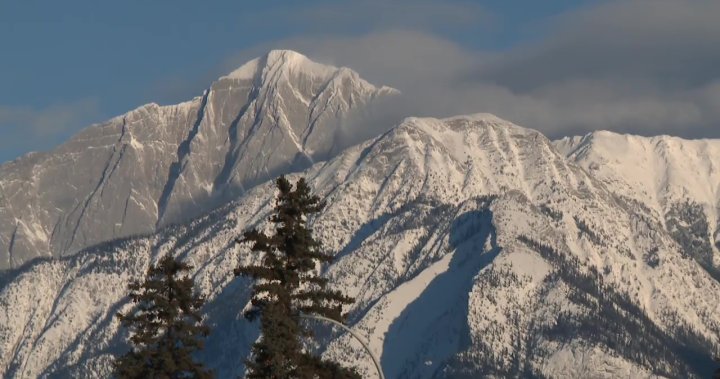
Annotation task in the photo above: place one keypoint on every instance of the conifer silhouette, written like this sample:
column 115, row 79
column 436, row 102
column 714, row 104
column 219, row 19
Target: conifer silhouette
column 286, row 286
column 166, row 324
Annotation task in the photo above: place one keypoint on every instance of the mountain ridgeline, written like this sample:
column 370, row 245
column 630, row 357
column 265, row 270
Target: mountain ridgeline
column 473, row 247
column 159, row 165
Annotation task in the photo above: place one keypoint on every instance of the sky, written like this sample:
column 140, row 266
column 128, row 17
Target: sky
column 562, row 67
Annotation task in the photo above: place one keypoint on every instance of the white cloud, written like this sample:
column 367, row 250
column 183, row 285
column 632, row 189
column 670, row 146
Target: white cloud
column 638, row 66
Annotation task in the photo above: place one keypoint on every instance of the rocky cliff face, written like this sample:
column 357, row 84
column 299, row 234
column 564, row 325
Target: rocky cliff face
column 159, row 165
column 474, row 248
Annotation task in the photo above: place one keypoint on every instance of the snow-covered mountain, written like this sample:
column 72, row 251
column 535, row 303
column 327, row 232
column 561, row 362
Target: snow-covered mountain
column 158, row 165
column 474, row 248
column 678, row 180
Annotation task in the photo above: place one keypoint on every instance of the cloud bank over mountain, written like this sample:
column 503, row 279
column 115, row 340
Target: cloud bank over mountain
column 645, row 67
column 638, row 66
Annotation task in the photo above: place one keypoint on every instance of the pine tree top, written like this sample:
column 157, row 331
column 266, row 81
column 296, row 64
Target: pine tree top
column 287, row 284
column 166, row 324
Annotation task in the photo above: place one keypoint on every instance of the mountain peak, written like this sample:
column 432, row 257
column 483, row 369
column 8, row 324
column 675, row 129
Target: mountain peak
column 280, row 59
column 285, row 55
column 487, row 117
column 278, row 112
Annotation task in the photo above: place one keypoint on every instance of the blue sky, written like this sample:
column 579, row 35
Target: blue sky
column 68, row 64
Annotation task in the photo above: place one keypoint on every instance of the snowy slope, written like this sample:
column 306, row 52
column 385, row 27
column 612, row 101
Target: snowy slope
column 677, row 179
column 158, row 165
column 472, row 246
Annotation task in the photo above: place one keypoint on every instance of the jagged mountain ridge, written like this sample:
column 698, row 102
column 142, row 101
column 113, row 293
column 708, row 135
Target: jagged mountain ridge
column 677, row 179
column 158, row 165
column 473, row 248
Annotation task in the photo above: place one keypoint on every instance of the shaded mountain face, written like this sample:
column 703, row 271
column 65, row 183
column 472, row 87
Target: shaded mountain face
column 474, row 248
column 158, row 165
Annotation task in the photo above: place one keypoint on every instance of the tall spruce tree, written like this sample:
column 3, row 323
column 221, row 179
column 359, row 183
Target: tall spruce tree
column 166, row 323
column 286, row 286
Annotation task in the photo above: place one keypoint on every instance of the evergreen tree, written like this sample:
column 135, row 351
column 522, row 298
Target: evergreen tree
column 287, row 286
column 167, row 325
